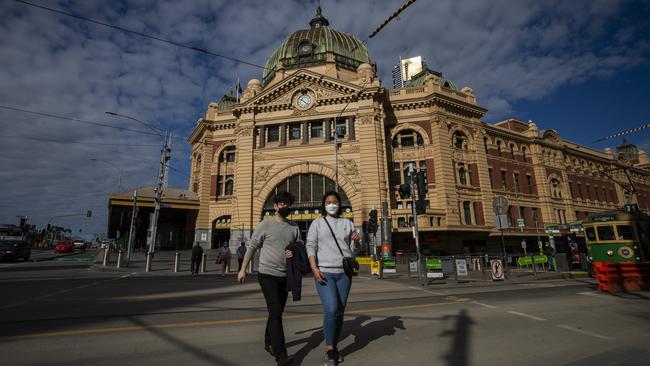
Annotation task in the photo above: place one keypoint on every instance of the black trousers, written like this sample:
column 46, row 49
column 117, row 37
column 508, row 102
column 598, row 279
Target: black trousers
column 275, row 293
column 195, row 264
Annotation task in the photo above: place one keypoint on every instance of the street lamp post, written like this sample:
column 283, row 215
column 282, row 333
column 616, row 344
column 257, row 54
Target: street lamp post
column 119, row 168
column 165, row 156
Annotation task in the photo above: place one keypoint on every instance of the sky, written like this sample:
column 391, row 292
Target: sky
column 579, row 67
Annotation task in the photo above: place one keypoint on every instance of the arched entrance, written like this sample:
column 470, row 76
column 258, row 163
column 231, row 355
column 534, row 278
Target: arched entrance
column 220, row 231
column 308, row 189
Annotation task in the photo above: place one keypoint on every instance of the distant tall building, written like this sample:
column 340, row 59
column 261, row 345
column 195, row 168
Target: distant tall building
column 407, row 68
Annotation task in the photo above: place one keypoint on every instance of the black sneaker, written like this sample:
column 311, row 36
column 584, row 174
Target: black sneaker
column 284, row 360
column 339, row 356
column 330, row 358
column 268, row 349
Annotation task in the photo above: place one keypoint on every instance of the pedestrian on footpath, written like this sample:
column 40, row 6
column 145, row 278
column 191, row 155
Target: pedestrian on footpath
column 273, row 236
column 224, row 259
column 328, row 241
column 197, row 255
column 241, row 253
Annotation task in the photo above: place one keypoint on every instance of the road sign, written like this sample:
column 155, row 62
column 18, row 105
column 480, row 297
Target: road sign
column 413, row 266
column 461, row 267
column 521, row 223
column 523, row 244
column 497, row 270
column 500, row 205
column 501, row 221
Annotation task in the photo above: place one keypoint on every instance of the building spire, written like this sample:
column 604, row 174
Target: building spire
column 319, row 20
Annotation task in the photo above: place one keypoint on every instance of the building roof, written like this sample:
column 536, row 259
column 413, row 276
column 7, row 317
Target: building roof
column 227, row 102
column 419, row 79
column 348, row 49
column 168, row 194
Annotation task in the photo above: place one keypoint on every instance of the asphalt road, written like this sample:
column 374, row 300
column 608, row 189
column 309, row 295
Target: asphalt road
column 67, row 313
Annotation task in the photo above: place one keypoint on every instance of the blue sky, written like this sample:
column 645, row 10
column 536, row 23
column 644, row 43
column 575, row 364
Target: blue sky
column 580, row 67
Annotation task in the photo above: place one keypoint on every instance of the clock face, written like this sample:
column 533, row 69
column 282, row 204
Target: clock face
column 306, row 48
column 304, row 101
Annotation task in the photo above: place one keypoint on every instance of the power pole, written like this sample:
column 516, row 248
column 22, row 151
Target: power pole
column 416, row 233
column 132, row 228
column 165, row 156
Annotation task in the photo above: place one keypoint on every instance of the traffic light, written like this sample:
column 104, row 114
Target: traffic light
column 422, row 185
column 89, row 213
column 372, row 222
column 404, row 190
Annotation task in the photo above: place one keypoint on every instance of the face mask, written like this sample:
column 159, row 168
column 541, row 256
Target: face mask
column 284, row 211
column 332, row 209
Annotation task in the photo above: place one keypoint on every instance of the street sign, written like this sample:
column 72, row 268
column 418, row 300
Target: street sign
column 500, row 205
column 501, row 221
column 523, row 244
column 497, row 270
column 521, row 223
column 390, row 266
column 461, row 267
column 374, row 268
column 413, row 266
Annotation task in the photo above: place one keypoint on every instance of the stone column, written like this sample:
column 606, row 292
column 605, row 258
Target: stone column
column 327, row 130
column 305, row 133
column 283, row 134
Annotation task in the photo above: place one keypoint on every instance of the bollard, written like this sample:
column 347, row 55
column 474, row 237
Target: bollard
column 119, row 259
column 105, row 261
column 177, row 258
column 147, row 267
column 203, row 262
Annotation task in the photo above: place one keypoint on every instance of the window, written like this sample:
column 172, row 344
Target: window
column 316, row 129
column 515, row 176
column 499, row 148
column 219, row 185
column 523, row 152
column 407, row 138
column 294, row 131
column 401, row 222
column 522, row 214
column 405, row 170
column 503, row 180
column 228, row 155
column 625, row 232
column 529, row 183
column 229, row 185
column 571, row 189
column 467, row 212
column 459, row 140
column 591, row 234
column 485, row 140
column 273, row 133
column 605, row 233
column 340, row 128
column 605, row 195
column 512, row 151
column 580, row 190
column 462, row 175
column 490, row 174
column 588, row 192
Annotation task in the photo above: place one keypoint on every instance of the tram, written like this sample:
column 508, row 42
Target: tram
column 618, row 236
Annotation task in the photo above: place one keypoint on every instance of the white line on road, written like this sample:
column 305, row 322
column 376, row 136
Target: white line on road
column 526, row 315
column 585, row 332
column 484, row 305
column 427, row 291
column 596, row 294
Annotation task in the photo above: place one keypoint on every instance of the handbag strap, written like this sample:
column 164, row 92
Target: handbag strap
column 334, row 236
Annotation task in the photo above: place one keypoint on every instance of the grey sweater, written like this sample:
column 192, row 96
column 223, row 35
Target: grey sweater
column 273, row 237
column 321, row 244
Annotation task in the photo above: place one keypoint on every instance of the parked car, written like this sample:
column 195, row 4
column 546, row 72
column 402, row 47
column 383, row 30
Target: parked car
column 79, row 244
column 64, row 247
column 14, row 249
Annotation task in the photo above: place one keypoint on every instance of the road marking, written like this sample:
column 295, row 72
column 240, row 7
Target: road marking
column 526, row 315
column 427, row 291
column 484, row 305
column 567, row 327
column 209, row 322
column 596, row 294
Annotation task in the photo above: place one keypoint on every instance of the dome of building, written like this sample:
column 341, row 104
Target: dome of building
column 309, row 47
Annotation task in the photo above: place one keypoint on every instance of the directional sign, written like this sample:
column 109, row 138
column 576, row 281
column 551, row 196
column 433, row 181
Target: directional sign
column 521, row 223
column 497, row 270
column 500, row 205
column 461, row 267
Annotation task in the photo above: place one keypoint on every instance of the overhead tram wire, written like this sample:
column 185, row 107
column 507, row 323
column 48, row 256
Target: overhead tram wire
column 391, row 17
column 155, row 38
column 622, row 133
column 78, row 142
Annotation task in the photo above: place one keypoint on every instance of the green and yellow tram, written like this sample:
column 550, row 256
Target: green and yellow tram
column 618, row 236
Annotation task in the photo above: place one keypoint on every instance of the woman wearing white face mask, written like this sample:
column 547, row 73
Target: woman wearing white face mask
column 329, row 239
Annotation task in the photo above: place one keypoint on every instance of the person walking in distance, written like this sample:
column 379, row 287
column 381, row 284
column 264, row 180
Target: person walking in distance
column 241, row 253
column 273, row 236
column 329, row 240
column 197, row 255
column 224, row 258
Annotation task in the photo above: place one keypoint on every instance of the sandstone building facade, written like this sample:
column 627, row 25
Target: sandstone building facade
column 319, row 81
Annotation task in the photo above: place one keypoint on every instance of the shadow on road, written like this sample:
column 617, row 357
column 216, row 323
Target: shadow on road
column 363, row 335
column 459, row 353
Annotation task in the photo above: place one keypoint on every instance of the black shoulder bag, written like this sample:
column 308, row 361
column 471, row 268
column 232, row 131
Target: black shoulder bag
column 350, row 265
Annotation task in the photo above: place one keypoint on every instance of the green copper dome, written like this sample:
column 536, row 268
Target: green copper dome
column 309, row 47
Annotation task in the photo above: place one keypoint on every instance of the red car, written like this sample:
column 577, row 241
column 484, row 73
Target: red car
column 64, row 247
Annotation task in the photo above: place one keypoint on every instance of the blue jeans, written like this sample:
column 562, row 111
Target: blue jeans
column 333, row 295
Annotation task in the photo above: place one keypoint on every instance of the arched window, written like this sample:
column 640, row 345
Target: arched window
column 230, row 182
column 499, row 143
column 523, row 152
column 556, row 188
column 407, row 138
column 459, row 140
column 512, row 151
column 228, row 155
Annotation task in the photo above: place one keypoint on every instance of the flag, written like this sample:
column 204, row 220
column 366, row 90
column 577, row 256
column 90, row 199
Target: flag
column 238, row 89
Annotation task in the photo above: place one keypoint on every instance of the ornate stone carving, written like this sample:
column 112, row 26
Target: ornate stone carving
column 243, row 131
column 349, row 166
column 262, row 174
column 322, row 93
column 365, row 120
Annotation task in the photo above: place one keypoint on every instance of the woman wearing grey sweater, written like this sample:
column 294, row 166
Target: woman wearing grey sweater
column 326, row 262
